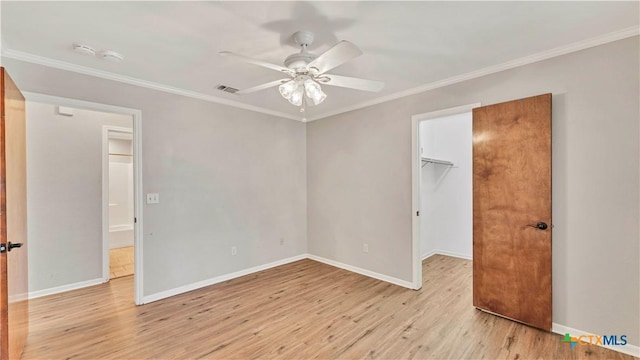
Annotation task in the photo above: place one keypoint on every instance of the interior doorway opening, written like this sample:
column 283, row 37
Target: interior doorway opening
column 118, row 244
column 442, row 186
column 446, row 191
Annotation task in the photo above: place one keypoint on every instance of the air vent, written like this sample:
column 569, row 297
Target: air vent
column 226, row 88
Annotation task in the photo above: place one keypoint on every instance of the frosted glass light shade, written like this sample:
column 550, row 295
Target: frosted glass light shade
column 314, row 91
column 296, row 96
column 287, row 89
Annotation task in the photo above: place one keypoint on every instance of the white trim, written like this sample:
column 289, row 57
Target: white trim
column 62, row 65
column 628, row 349
column 121, row 136
column 429, row 254
column 107, row 133
column 138, row 276
column 416, row 167
column 121, row 227
column 364, row 272
column 218, row 279
column 416, row 175
column 65, row 288
column 446, row 253
column 544, row 55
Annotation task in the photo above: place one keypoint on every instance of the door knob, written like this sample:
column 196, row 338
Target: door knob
column 11, row 245
column 540, row 226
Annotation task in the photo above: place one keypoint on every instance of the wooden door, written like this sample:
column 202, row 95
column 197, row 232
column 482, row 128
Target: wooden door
column 14, row 311
column 512, row 210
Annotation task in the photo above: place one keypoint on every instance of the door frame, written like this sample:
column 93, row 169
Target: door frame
column 138, row 197
column 416, row 180
column 108, row 132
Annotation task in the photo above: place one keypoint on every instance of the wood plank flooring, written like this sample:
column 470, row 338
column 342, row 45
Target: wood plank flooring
column 301, row 310
column 120, row 262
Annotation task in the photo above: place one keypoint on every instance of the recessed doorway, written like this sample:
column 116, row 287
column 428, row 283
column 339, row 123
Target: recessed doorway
column 117, row 179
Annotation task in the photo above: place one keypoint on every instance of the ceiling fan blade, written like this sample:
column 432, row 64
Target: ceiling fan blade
column 261, row 86
column 351, row 82
column 256, row 62
column 339, row 54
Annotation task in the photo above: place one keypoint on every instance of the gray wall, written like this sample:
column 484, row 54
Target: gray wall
column 226, row 177
column 64, row 194
column 359, row 180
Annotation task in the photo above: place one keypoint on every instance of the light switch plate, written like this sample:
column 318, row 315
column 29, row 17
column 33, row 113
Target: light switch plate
column 153, row 198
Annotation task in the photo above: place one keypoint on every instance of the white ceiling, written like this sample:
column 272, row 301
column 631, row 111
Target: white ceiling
column 405, row 44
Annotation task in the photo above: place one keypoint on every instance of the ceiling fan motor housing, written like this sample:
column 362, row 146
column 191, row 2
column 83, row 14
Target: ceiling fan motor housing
column 299, row 61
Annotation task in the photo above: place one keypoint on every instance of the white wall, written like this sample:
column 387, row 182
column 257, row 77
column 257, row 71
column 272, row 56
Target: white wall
column 64, row 194
column 446, row 199
column 359, row 180
column 226, row 177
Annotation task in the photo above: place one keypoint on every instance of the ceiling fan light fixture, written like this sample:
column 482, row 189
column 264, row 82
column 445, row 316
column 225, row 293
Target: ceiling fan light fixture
column 287, row 89
column 314, row 92
column 296, row 96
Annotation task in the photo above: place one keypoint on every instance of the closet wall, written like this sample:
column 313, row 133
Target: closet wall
column 446, row 194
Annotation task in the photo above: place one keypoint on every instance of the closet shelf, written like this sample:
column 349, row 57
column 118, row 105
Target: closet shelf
column 426, row 160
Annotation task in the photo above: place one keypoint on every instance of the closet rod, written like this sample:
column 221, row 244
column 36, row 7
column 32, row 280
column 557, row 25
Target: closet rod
column 119, row 154
column 426, row 161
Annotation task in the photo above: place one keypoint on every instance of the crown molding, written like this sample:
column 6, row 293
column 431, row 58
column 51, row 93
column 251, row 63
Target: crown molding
column 62, row 65
column 555, row 52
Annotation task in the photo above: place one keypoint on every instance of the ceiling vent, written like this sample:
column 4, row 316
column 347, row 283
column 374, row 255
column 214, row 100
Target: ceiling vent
column 226, row 88
column 84, row 49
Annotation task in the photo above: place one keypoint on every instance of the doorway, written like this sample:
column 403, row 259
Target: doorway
column 442, row 185
column 511, row 211
column 446, row 201
column 117, row 182
column 83, row 149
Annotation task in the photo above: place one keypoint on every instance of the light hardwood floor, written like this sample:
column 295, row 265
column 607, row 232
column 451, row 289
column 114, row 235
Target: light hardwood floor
column 301, row 310
column 120, row 262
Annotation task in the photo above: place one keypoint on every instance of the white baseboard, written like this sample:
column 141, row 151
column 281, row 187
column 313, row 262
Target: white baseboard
column 218, row 279
column 446, row 253
column 64, row 288
column 121, row 227
column 361, row 271
column 428, row 255
column 121, row 238
column 628, row 349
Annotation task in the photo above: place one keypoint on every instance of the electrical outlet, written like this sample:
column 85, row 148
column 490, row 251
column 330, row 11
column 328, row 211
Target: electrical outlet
column 234, row 250
column 365, row 248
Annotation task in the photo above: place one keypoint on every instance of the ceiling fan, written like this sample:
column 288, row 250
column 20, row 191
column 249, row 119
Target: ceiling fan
column 307, row 71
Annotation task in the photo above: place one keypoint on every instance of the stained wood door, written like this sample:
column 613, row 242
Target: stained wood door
column 512, row 210
column 14, row 311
